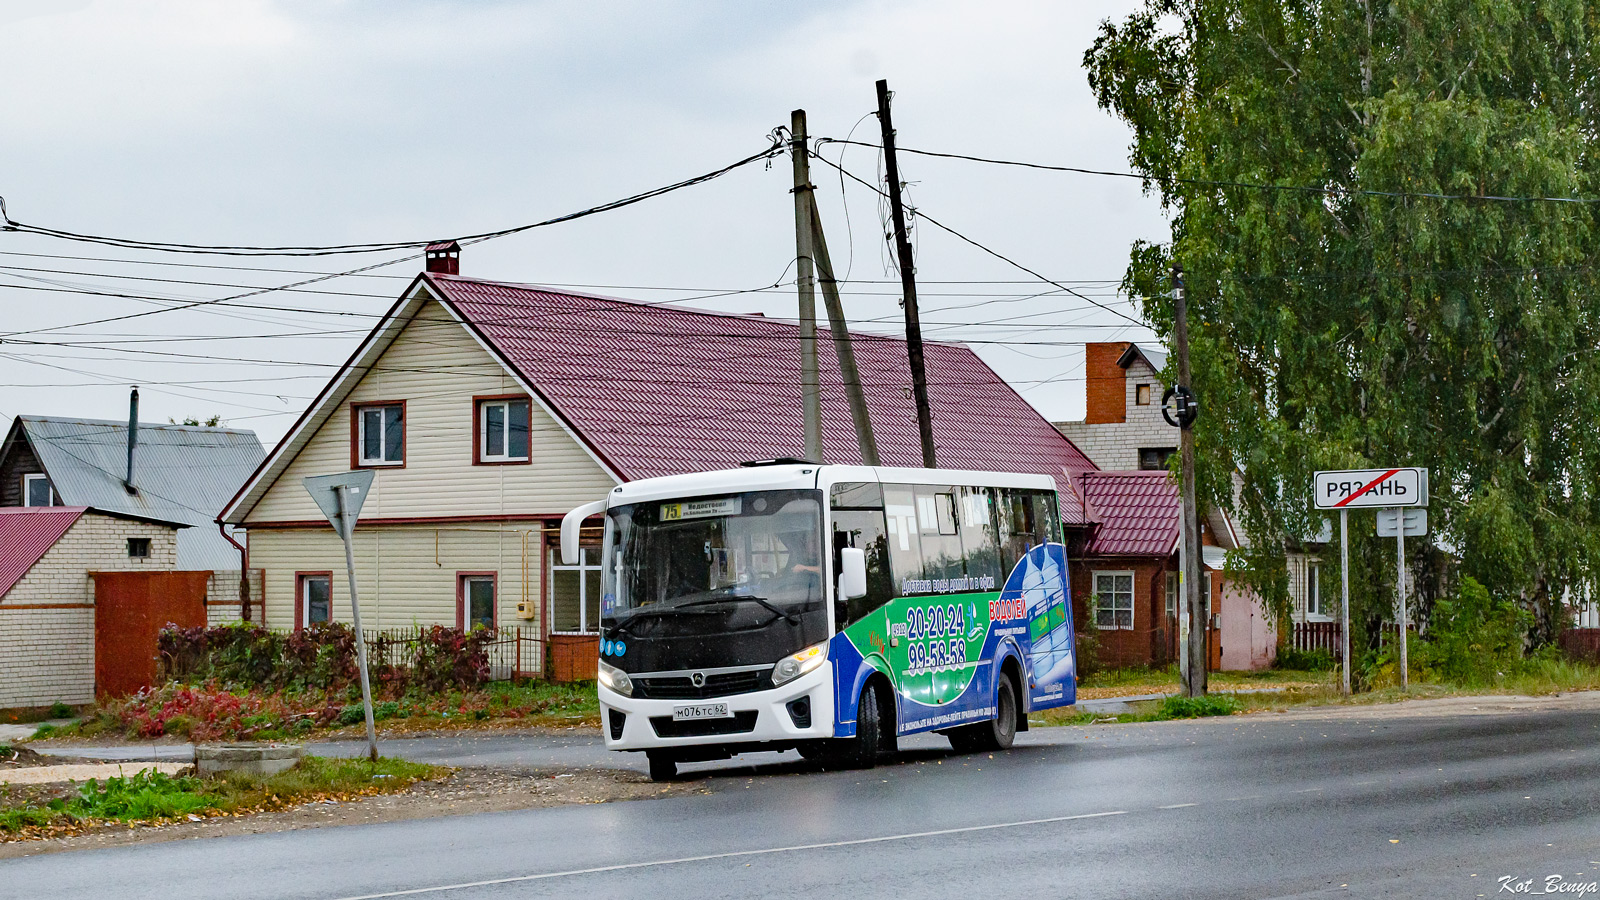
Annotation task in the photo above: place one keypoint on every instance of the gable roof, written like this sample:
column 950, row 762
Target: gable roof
column 26, row 534
column 1155, row 359
column 184, row 473
column 651, row 389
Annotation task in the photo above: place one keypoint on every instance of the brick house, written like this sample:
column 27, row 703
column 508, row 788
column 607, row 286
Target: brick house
column 489, row 410
column 1125, row 573
column 49, row 559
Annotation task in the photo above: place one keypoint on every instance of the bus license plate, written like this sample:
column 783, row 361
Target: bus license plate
column 701, row 711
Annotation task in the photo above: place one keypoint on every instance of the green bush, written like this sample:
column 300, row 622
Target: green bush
column 1181, row 707
column 1475, row 639
column 1305, row 660
column 352, row 714
column 59, row 710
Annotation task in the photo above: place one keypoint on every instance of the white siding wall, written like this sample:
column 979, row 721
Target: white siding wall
column 406, row 574
column 437, row 367
column 47, row 618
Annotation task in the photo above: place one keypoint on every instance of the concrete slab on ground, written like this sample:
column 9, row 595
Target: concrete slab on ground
column 83, row 772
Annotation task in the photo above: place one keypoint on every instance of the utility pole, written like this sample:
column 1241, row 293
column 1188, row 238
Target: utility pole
column 805, row 280
column 1194, row 648
column 908, row 281
column 841, row 343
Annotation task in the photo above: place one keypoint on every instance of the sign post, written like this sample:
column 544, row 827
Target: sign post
column 340, row 498
column 1390, row 490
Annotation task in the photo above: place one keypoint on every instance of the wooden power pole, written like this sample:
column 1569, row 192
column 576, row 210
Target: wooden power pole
column 806, row 281
column 1194, row 649
column 908, row 281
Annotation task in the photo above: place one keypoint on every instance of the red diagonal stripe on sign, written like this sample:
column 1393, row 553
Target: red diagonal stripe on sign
column 1375, row 482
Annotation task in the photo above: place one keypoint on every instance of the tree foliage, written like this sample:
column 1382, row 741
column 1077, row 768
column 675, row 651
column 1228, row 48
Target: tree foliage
column 1336, row 327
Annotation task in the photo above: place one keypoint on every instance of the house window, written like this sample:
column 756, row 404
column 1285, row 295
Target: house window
column 381, row 435
column 316, row 598
column 1113, row 599
column 503, row 430
column 1172, row 595
column 139, row 548
column 1314, row 590
column 575, row 593
column 475, row 595
column 1141, row 394
column 37, row 491
column 1152, row 458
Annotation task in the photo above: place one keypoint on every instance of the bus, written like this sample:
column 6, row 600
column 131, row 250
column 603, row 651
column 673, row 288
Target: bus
column 830, row 609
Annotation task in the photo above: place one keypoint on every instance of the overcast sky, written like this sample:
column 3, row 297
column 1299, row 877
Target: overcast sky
column 322, row 122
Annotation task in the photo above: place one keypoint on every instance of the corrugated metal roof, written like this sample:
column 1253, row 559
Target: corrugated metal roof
column 658, row 390
column 184, row 473
column 1138, row 512
column 26, row 534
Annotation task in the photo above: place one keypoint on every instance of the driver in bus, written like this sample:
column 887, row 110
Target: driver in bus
column 803, row 555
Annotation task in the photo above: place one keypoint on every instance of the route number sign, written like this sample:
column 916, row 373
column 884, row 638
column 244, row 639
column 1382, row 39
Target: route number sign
column 1355, row 488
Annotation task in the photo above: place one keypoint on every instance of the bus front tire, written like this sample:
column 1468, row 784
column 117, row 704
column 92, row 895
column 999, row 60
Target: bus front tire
column 861, row 751
column 997, row 733
column 662, row 766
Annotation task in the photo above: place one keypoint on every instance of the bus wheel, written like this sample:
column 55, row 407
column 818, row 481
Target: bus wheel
column 995, row 734
column 861, row 751
column 662, row 766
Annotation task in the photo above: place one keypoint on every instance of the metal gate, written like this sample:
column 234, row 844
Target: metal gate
column 130, row 609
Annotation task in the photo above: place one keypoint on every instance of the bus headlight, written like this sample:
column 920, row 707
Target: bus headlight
column 616, row 679
column 796, row 664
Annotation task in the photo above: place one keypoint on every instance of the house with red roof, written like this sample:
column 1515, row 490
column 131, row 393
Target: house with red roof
column 488, row 410
column 50, row 557
column 1126, row 571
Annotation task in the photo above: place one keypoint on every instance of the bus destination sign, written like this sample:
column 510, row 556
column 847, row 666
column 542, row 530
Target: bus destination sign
column 1372, row 487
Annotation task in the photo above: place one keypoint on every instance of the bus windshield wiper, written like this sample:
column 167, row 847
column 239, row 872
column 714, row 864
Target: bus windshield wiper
column 791, row 618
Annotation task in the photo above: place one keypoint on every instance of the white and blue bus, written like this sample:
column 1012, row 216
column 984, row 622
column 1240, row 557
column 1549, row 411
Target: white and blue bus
column 829, row 609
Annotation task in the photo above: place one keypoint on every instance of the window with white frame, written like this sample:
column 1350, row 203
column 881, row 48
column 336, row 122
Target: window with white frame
column 503, row 430
column 575, row 593
column 381, row 434
column 477, row 602
column 37, row 491
column 1113, row 600
column 1172, row 595
column 316, row 599
column 1314, row 590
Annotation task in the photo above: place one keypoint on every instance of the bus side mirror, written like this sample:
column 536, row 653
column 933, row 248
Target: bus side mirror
column 569, row 530
column 852, row 573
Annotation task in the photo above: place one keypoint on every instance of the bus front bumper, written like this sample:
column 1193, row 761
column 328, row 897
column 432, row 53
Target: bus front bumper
column 761, row 717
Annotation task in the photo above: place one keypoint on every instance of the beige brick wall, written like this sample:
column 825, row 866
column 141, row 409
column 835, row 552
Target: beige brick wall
column 222, row 596
column 1114, row 446
column 47, row 618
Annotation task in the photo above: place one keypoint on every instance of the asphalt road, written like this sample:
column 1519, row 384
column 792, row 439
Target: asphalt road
column 1366, row 804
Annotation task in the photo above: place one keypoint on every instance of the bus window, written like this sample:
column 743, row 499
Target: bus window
column 1047, row 525
column 978, row 542
column 858, row 522
column 942, row 555
column 904, row 538
column 1014, row 512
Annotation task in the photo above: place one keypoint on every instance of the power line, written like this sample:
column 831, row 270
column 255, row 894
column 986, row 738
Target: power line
column 374, row 246
column 1205, row 182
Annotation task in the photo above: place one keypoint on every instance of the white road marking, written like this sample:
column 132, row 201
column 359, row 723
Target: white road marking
column 1178, row 806
column 730, row 855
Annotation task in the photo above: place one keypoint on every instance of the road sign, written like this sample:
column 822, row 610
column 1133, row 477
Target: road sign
column 1416, row 519
column 1372, row 487
column 340, row 497
column 325, row 489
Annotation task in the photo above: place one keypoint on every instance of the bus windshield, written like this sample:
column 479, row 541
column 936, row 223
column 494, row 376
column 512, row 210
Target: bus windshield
column 714, row 581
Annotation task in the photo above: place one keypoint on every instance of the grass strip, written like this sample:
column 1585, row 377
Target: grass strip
column 150, row 797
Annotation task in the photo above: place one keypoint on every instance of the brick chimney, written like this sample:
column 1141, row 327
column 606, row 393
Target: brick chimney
column 1106, row 383
column 444, row 258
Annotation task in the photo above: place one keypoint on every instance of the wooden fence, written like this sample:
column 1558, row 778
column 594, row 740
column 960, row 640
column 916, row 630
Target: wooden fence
column 1311, row 636
column 1581, row 644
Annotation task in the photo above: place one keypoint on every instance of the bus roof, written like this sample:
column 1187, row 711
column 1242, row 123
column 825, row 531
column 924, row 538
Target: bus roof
column 803, row 476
